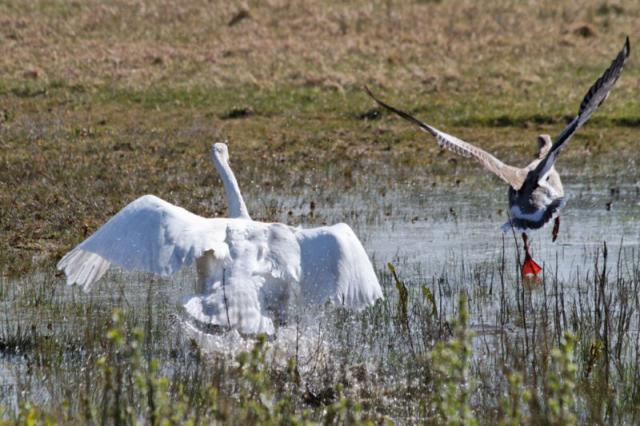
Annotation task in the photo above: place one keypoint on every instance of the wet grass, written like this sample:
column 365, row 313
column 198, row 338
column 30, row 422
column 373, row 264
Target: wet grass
column 437, row 352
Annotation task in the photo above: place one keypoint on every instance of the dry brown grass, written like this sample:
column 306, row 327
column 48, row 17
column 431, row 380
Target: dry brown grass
column 460, row 45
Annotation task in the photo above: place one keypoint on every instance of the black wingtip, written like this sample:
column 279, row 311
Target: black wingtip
column 627, row 47
column 401, row 113
column 378, row 101
column 366, row 89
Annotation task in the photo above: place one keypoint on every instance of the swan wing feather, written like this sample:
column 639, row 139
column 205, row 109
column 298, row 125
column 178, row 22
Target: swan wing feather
column 148, row 235
column 336, row 267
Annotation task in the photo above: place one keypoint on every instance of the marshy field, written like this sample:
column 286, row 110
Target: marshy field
column 101, row 102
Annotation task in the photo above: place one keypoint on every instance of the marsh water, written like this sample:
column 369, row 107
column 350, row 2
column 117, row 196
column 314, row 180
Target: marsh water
column 443, row 236
column 429, row 230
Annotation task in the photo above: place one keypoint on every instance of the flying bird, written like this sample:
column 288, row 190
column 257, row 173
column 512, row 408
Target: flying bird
column 247, row 271
column 536, row 195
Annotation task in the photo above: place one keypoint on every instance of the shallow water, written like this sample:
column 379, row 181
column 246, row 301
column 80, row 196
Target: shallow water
column 429, row 230
column 473, row 237
column 434, row 233
column 444, row 236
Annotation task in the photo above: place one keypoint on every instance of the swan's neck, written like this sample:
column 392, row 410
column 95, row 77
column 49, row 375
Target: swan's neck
column 237, row 208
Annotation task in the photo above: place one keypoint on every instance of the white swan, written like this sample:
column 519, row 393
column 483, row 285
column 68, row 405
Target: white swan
column 334, row 265
column 220, row 158
column 247, row 270
column 535, row 191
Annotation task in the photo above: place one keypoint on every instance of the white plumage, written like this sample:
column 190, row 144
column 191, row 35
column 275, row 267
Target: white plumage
column 248, row 271
column 335, row 267
column 149, row 235
column 253, row 288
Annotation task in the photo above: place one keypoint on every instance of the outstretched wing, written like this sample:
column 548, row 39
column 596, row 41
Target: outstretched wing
column 592, row 100
column 512, row 175
column 149, row 235
column 336, row 267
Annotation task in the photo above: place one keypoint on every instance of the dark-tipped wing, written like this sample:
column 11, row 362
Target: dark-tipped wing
column 592, row 100
column 512, row 175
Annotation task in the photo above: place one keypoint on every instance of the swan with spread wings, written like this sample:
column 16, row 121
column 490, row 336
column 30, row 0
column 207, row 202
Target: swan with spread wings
column 536, row 194
column 248, row 271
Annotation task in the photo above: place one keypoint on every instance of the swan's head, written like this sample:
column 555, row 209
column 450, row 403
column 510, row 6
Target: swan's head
column 220, row 152
column 544, row 145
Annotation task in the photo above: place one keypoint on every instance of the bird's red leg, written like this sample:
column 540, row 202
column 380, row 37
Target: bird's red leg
column 556, row 229
column 529, row 268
